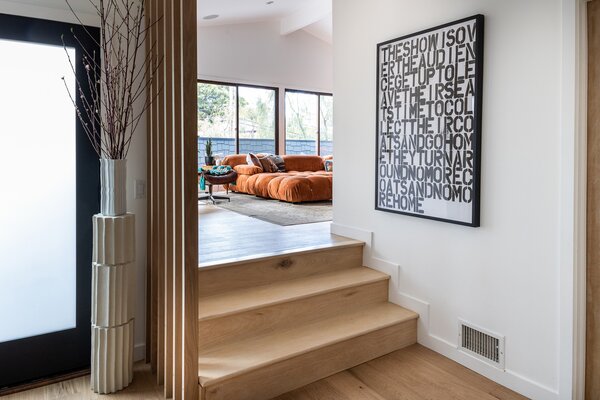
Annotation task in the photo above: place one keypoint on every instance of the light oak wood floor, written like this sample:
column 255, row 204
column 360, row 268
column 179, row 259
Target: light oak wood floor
column 227, row 236
column 143, row 387
column 413, row 373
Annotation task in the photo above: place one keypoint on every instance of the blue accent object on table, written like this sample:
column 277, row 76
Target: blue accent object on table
column 219, row 170
column 215, row 170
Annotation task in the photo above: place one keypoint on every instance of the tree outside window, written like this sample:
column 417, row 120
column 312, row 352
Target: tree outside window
column 309, row 123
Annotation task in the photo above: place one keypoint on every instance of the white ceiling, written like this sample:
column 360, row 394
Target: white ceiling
column 243, row 11
column 323, row 29
column 313, row 16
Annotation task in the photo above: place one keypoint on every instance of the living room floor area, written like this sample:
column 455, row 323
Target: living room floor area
column 227, row 236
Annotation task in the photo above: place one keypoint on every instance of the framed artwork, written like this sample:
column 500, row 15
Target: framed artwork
column 428, row 152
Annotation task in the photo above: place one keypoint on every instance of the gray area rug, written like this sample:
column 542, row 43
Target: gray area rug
column 278, row 212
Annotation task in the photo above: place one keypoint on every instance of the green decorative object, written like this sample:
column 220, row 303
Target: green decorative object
column 208, row 159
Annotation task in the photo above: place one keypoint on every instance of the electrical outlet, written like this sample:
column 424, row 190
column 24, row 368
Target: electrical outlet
column 139, row 189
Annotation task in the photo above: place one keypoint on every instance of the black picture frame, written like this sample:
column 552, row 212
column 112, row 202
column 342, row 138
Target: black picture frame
column 57, row 353
column 394, row 186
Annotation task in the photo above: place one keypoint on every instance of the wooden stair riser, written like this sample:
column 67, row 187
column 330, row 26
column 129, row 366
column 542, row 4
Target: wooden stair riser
column 275, row 269
column 275, row 379
column 221, row 330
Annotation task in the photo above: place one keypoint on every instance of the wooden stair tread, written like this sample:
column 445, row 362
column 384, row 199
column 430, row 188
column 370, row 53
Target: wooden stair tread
column 225, row 362
column 340, row 243
column 248, row 299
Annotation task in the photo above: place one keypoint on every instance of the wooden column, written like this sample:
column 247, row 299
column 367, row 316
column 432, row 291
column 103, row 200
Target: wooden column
column 188, row 43
column 149, row 118
column 593, row 208
column 173, row 203
column 160, row 189
column 178, row 198
column 169, row 220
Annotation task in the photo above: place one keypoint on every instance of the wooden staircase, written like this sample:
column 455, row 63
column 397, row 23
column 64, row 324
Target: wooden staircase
column 270, row 325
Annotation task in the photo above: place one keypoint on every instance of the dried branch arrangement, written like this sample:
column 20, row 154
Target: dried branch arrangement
column 117, row 78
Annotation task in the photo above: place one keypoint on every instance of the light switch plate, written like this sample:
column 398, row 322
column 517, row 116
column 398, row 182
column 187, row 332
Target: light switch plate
column 139, row 189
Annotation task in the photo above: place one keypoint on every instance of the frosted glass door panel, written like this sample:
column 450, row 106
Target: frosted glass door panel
column 37, row 192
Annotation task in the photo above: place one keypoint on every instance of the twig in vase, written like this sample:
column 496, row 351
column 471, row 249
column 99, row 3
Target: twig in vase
column 117, row 78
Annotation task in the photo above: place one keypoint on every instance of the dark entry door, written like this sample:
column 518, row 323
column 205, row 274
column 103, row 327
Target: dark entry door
column 48, row 193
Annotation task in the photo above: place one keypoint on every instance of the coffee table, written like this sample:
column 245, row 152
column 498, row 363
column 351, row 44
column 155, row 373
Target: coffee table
column 211, row 180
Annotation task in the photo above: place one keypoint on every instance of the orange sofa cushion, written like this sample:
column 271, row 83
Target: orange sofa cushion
column 301, row 187
column 303, row 163
column 245, row 169
column 305, row 179
column 234, row 160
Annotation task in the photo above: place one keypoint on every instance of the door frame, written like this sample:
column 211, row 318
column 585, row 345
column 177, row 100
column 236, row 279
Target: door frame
column 69, row 348
column 573, row 200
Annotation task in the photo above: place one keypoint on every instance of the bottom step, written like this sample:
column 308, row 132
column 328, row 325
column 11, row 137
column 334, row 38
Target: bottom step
column 267, row 366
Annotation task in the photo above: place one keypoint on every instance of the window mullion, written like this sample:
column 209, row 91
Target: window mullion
column 318, row 125
column 237, row 119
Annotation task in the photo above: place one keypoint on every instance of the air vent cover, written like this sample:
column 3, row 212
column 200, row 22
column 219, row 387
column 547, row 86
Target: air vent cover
column 481, row 343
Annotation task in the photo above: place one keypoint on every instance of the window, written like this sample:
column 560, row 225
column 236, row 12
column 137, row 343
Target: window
column 326, row 125
column 217, row 106
column 238, row 118
column 49, row 175
column 24, row 141
column 308, row 123
column 257, row 120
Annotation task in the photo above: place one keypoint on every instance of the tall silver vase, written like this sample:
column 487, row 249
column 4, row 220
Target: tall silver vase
column 113, row 184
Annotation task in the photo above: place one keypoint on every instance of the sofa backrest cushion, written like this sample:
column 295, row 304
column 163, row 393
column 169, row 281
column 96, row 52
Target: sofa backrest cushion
column 234, row 160
column 298, row 163
column 303, row 163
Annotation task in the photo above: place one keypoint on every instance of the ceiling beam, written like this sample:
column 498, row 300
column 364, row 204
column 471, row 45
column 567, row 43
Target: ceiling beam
column 314, row 12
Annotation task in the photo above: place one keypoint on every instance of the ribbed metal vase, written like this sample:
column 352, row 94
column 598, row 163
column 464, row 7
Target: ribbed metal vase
column 113, row 175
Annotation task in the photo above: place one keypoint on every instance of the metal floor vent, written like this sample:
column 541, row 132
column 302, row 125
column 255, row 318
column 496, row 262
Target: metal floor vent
column 481, row 343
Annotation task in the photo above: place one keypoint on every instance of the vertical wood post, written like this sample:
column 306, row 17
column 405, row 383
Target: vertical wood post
column 173, row 203
column 593, row 200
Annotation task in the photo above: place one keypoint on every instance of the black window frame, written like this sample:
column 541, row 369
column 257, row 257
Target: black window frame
column 237, row 107
column 319, row 95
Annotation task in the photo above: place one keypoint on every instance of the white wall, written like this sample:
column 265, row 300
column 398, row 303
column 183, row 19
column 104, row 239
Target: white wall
column 136, row 164
column 257, row 53
column 503, row 276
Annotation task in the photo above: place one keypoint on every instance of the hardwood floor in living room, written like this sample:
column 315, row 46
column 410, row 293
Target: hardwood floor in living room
column 226, row 236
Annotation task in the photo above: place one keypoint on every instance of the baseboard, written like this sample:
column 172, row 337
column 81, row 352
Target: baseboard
column 507, row 378
column 416, row 305
column 510, row 379
column 139, row 352
column 384, row 266
column 352, row 233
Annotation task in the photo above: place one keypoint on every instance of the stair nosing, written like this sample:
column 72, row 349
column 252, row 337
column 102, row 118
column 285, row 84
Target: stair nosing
column 411, row 315
column 266, row 256
column 382, row 277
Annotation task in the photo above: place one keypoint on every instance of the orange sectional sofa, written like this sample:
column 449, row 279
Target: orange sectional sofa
column 304, row 179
